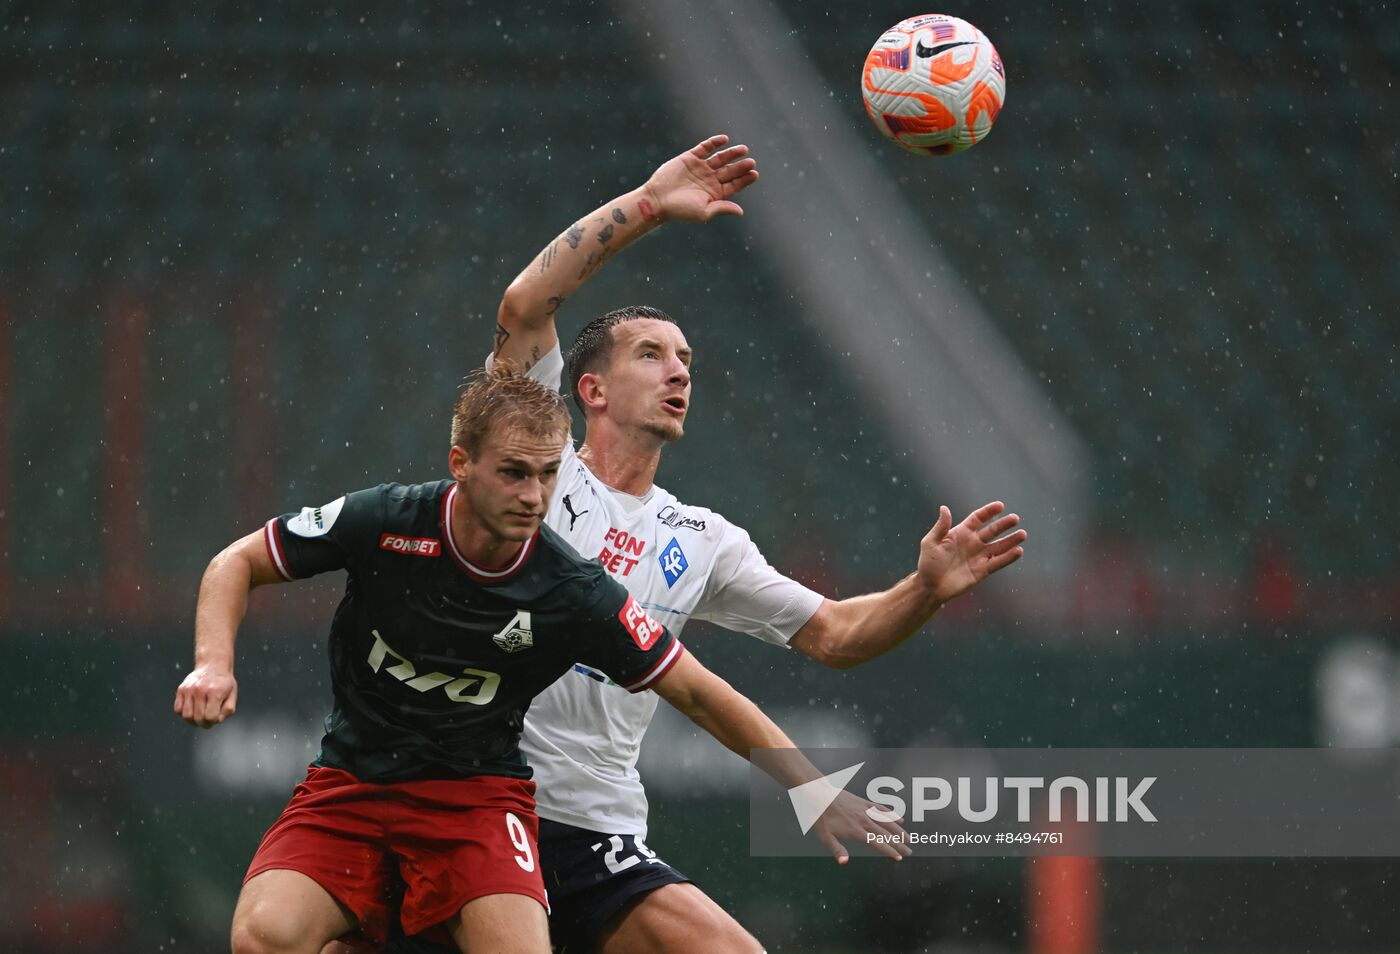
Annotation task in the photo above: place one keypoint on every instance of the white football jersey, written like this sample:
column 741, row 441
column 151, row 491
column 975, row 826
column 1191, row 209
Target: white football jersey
column 583, row 733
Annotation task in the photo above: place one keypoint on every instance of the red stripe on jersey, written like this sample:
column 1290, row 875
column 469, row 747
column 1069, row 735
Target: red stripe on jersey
column 480, row 574
column 656, row 672
column 275, row 551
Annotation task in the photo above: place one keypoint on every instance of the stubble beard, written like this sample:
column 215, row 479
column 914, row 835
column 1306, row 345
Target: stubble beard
column 668, row 431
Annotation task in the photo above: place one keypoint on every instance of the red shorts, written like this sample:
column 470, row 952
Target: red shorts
column 449, row 840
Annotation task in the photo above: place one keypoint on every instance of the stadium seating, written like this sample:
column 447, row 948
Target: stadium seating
column 1211, row 267
column 1166, row 224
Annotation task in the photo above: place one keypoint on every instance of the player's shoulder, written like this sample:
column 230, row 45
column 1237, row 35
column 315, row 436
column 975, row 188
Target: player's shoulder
column 399, row 508
column 397, row 499
column 689, row 520
column 430, row 492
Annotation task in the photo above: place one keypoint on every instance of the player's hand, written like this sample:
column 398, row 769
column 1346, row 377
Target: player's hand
column 848, row 818
column 207, row 697
column 952, row 560
column 698, row 184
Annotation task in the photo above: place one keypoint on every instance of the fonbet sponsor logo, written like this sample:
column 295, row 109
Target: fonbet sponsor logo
column 418, row 546
column 1101, row 799
column 622, row 552
column 643, row 629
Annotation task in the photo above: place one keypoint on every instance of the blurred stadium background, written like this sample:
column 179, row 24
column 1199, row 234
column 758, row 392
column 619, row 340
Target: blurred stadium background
column 247, row 258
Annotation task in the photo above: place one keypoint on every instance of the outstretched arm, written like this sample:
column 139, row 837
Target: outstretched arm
column 714, row 705
column 695, row 186
column 209, row 694
column 952, row 560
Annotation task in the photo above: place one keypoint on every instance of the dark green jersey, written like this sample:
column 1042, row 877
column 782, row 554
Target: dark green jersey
column 433, row 660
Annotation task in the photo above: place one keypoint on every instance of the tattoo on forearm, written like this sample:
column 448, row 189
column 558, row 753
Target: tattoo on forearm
column 547, row 256
column 553, row 305
column 605, row 236
column 595, row 261
column 618, row 217
column 534, row 358
column 645, row 207
column 574, row 235
column 502, row 336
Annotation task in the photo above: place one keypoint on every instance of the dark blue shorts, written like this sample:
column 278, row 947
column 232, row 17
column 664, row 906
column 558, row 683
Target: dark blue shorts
column 589, row 876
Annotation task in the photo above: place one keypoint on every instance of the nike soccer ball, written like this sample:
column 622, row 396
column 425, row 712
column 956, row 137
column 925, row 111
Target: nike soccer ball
column 933, row 84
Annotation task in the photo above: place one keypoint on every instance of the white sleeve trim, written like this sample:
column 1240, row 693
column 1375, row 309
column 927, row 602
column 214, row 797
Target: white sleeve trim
column 548, row 370
column 657, row 671
column 274, row 549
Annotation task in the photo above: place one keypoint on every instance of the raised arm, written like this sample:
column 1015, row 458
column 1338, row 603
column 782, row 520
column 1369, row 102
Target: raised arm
column 714, row 705
column 952, row 560
column 209, row 694
column 695, row 186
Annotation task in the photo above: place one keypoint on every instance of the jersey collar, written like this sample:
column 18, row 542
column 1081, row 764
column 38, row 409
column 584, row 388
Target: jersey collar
column 480, row 574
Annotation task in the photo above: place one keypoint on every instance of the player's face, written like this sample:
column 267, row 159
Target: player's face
column 508, row 487
column 647, row 383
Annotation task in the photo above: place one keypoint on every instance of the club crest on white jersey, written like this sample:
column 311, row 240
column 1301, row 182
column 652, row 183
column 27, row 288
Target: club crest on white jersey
column 673, row 562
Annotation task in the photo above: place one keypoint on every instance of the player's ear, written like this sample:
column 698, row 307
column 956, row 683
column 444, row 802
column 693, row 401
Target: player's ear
column 591, row 393
column 458, row 462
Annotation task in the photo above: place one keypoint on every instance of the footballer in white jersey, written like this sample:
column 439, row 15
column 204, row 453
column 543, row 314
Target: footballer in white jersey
column 583, row 733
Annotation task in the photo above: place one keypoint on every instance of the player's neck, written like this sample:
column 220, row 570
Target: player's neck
column 622, row 464
column 478, row 544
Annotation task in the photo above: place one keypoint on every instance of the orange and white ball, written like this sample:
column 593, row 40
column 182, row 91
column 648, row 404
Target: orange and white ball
column 933, row 84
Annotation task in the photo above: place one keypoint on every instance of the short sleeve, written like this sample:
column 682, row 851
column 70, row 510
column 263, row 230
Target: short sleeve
column 623, row 641
column 549, row 370
column 747, row 595
column 321, row 539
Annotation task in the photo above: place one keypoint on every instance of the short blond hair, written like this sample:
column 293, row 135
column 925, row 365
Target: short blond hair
column 500, row 396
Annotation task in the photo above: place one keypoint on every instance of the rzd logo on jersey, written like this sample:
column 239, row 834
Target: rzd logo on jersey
column 474, row 686
column 517, row 635
column 644, row 630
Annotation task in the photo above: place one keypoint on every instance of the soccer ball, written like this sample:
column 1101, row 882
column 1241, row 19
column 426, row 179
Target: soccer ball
column 933, row 84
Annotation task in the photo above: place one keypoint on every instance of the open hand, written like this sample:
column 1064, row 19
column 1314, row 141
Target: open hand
column 698, row 184
column 848, row 817
column 952, row 560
